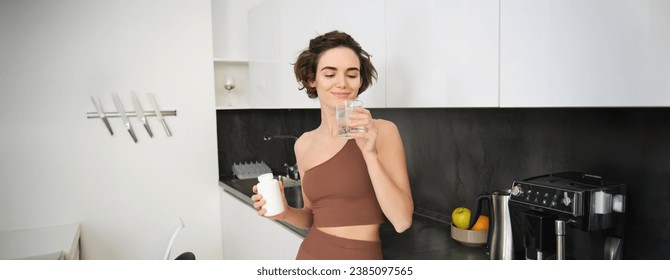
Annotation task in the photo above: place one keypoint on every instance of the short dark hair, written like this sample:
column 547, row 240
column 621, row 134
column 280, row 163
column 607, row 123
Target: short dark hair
column 305, row 65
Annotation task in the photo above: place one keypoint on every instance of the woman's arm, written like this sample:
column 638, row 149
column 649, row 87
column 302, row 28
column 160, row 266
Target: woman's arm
column 385, row 157
column 299, row 217
column 388, row 172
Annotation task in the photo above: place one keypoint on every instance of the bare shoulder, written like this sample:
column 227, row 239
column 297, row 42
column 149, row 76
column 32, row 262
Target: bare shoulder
column 303, row 142
column 386, row 128
column 388, row 137
column 391, row 151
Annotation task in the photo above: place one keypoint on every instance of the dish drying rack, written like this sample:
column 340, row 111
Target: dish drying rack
column 249, row 170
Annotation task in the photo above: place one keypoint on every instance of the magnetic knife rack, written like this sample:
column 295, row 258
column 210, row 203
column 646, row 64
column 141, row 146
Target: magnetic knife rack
column 125, row 116
column 131, row 114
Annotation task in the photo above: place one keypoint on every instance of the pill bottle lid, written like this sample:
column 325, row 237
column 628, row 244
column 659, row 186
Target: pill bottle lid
column 265, row 177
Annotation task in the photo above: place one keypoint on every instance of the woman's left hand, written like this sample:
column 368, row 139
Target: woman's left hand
column 366, row 140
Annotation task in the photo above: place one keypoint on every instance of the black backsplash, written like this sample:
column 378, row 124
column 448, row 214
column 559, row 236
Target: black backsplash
column 455, row 154
column 241, row 136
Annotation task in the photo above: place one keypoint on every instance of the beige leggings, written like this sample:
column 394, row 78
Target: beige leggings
column 319, row 245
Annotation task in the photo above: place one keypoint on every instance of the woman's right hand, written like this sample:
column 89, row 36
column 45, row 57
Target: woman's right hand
column 258, row 202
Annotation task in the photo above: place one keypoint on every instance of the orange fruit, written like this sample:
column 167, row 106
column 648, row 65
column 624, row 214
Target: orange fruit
column 482, row 223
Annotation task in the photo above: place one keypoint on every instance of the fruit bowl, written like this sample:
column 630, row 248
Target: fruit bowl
column 473, row 238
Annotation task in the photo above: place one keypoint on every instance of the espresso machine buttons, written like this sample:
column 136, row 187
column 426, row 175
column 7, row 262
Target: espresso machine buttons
column 566, row 200
column 548, row 197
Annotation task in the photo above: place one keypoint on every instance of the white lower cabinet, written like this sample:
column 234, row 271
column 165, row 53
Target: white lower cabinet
column 247, row 236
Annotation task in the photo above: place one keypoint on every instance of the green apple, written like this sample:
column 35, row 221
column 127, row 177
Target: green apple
column 461, row 217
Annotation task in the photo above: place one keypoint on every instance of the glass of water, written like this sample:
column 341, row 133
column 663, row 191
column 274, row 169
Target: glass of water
column 343, row 109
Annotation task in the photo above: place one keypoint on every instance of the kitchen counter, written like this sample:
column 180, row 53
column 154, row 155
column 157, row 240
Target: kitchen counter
column 426, row 239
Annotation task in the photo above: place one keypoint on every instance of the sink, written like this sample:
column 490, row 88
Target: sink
column 292, row 189
column 288, row 182
column 294, row 196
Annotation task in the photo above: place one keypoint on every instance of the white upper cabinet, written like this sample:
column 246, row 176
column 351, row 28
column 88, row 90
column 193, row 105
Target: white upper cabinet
column 229, row 29
column 364, row 21
column 442, row 53
column 574, row 53
column 264, row 34
column 231, row 51
column 477, row 53
column 280, row 30
column 299, row 23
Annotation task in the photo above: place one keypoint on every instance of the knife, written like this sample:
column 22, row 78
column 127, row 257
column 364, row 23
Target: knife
column 140, row 113
column 159, row 115
column 102, row 115
column 124, row 117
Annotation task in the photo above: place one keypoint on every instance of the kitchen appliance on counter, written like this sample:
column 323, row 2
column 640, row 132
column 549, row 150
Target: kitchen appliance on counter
column 499, row 242
column 569, row 215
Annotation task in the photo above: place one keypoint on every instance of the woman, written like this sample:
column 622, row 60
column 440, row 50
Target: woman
column 349, row 185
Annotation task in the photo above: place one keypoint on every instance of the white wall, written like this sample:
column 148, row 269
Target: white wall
column 57, row 167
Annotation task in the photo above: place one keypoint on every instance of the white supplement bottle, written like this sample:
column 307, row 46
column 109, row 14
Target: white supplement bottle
column 268, row 187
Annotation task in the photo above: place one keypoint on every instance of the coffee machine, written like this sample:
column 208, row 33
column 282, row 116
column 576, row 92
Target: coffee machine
column 569, row 215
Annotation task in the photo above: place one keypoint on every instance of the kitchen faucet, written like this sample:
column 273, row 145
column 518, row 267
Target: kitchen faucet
column 291, row 170
column 268, row 138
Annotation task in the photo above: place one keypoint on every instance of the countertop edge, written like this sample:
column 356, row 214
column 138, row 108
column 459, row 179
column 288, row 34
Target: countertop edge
column 247, row 201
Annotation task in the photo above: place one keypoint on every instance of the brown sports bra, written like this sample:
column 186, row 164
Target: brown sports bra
column 341, row 192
